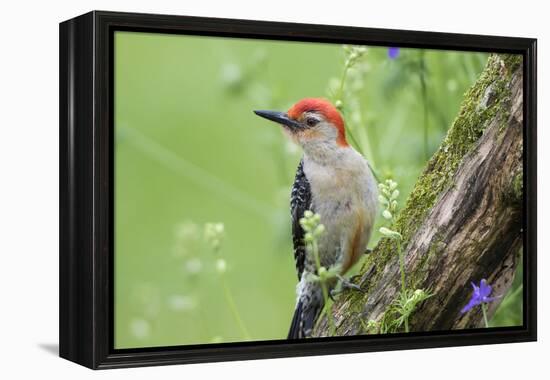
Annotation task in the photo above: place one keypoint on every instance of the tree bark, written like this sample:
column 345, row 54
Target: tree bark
column 462, row 221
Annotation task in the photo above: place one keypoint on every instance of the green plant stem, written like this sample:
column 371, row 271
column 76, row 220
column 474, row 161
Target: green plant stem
column 368, row 150
column 342, row 82
column 516, row 292
column 354, row 141
column 484, row 310
column 374, row 173
column 340, row 97
column 512, row 296
column 234, row 309
column 326, row 309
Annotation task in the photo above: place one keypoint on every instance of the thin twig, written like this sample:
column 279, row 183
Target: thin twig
column 234, row 309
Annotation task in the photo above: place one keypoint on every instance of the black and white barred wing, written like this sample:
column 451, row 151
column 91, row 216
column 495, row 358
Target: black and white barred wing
column 300, row 201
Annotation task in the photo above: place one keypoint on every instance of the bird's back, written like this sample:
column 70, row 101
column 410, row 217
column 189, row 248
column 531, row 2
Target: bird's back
column 300, row 202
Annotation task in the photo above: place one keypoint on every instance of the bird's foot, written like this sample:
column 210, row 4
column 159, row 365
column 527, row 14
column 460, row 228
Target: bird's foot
column 345, row 284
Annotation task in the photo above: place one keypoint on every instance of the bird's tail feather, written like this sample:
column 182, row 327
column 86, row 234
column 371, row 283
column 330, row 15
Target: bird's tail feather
column 294, row 332
column 305, row 315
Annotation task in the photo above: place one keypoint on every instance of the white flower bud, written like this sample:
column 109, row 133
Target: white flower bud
column 310, row 277
column 213, row 234
column 361, row 50
column 386, row 214
column 395, row 194
column 419, row 295
column 320, row 229
column 390, row 234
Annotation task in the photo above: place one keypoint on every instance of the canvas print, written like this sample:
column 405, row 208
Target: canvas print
column 277, row 190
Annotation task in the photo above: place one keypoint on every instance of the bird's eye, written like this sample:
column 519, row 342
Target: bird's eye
column 311, row 121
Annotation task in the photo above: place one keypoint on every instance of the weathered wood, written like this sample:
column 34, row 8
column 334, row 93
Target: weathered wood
column 462, row 221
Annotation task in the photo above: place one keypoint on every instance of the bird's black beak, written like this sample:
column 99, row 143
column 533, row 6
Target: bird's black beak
column 279, row 117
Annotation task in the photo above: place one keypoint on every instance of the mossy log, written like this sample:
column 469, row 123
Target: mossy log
column 462, row 221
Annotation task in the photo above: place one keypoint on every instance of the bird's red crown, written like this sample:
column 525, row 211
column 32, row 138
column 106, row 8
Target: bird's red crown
column 325, row 108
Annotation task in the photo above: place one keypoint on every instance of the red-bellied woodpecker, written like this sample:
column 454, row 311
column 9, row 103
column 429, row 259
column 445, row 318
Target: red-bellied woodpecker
column 335, row 181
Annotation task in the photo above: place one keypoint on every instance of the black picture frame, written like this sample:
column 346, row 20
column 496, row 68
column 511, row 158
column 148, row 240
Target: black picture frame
column 86, row 188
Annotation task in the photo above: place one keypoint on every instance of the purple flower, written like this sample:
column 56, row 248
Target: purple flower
column 393, row 52
column 480, row 295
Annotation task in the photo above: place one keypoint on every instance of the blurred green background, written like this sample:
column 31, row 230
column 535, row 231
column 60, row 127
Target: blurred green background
column 202, row 226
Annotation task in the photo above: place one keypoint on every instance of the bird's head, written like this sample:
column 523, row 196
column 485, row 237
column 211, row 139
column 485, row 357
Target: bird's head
column 313, row 123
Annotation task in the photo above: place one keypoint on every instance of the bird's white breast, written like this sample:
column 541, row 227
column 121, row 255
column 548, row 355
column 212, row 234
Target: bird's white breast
column 344, row 193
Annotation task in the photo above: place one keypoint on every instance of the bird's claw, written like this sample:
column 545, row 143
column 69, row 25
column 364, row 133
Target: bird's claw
column 345, row 284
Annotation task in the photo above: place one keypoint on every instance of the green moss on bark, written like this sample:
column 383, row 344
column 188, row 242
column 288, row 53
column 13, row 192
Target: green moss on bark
column 484, row 101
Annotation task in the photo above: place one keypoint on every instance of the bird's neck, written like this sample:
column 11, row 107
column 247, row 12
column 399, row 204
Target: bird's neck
column 325, row 153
